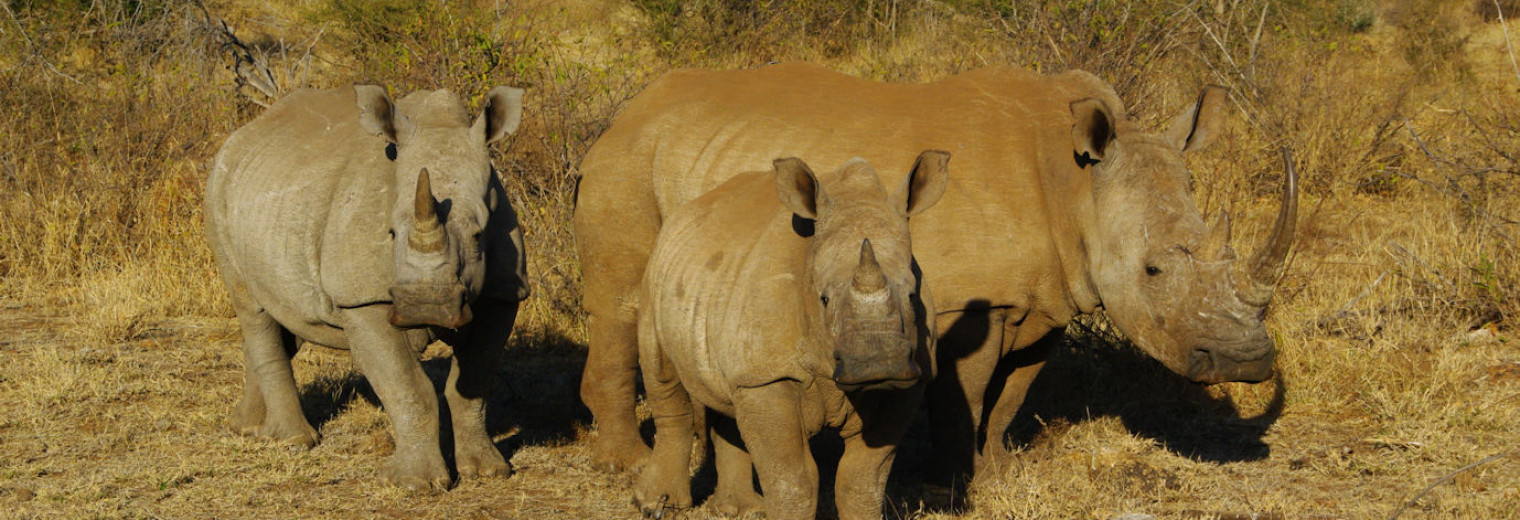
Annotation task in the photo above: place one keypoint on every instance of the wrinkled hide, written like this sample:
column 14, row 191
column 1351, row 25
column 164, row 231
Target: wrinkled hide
column 1060, row 207
column 344, row 219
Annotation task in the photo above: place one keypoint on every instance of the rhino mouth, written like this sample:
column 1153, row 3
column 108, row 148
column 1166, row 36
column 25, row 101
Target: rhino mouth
column 1231, row 365
column 418, row 305
column 900, row 377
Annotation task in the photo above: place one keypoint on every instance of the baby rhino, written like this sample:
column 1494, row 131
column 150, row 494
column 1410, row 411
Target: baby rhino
column 789, row 302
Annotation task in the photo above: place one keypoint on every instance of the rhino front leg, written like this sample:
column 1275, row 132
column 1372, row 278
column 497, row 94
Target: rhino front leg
column 472, row 376
column 861, row 484
column 735, row 494
column 271, row 405
column 665, row 483
column 1022, row 366
column 383, row 355
column 970, row 342
column 770, row 421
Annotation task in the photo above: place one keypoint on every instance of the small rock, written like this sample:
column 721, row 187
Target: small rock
column 1135, row 516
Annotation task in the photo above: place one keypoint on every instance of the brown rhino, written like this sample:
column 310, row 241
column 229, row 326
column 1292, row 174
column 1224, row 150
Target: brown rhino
column 343, row 219
column 1060, row 207
column 790, row 302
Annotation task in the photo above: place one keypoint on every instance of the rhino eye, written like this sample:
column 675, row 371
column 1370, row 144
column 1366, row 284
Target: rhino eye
column 1152, row 270
column 824, row 298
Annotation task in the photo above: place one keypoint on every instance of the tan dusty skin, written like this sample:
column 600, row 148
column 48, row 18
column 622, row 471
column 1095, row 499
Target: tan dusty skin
column 346, row 220
column 1059, row 207
column 788, row 302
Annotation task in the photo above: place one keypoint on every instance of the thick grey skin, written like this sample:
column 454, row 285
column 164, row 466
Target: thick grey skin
column 1029, row 238
column 302, row 205
column 787, row 334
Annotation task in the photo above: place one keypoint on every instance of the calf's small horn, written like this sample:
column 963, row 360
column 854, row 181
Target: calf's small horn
column 868, row 276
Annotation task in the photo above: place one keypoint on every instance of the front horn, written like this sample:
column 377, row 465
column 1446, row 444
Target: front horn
column 427, row 231
column 1268, row 264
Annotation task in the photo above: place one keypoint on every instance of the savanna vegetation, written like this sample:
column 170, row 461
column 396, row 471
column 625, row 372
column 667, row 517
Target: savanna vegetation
column 1399, row 386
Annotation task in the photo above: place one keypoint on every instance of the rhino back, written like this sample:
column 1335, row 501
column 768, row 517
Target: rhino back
column 289, row 190
column 722, row 292
column 996, row 239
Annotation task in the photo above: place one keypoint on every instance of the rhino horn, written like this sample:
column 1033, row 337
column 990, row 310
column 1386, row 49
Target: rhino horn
column 1268, row 264
column 1216, row 245
column 869, row 279
column 427, row 231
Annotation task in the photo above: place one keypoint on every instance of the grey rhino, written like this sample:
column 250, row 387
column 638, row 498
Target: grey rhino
column 789, row 302
column 1060, row 207
column 343, row 219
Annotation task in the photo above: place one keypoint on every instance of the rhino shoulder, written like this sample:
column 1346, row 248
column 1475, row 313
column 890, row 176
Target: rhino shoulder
column 355, row 254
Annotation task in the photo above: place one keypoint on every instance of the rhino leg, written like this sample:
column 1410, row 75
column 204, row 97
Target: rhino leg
column 271, row 405
column 382, row 353
column 472, row 376
column 967, row 353
column 735, row 494
column 665, row 482
column 1022, row 366
column 770, row 421
column 861, row 484
column 614, row 238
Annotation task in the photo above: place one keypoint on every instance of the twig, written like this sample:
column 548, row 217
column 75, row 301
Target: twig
column 32, row 46
column 1505, row 28
column 1251, row 60
column 1443, row 480
column 1400, row 248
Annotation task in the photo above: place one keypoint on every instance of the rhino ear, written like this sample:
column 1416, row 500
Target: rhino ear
column 923, row 186
column 502, row 113
column 1092, row 130
column 798, row 188
column 377, row 115
column 1197, row 126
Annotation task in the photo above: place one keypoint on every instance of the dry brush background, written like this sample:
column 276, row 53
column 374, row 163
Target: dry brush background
column 119, row 359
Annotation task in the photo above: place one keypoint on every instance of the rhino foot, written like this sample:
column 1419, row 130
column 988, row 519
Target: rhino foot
column 729, row 502
column 480, row 461
column 657, row 497
column 417, row 473
column 617, row 453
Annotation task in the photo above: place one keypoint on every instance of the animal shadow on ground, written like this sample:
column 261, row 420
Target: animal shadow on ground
column 1090, row 372
column 535, row 399
column 1093, row 373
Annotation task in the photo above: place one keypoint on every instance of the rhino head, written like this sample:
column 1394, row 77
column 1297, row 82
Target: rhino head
column 861, row 282
column 1166, row 279
column 446, row 195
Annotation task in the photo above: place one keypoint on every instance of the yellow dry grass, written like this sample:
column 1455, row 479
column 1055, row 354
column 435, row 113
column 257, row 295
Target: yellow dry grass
column 1400, row 364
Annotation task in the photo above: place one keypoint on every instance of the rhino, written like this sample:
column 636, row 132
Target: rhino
column 790, row 302
column 343, row 219
column 1060, row 207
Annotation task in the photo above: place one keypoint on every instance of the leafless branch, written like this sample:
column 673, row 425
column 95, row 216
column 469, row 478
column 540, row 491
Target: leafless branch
column 32, row 46
column 1405, row 505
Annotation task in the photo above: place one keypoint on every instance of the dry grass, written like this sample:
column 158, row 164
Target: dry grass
column 1400, row 360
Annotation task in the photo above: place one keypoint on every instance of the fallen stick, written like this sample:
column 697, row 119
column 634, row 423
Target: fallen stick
column 1443, row 480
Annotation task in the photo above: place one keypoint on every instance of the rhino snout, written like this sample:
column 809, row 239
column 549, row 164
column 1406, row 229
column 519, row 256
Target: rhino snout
column 892, row 372
column 415, row 305
column 1247, row 362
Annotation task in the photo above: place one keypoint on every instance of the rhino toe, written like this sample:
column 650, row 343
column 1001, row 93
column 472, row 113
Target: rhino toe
column 417, row 470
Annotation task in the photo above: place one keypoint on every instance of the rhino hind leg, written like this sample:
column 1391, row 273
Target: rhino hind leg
column 271, row 405
column 735, row 494
column 614, row 236
column 471, row 379
column 382, row 353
